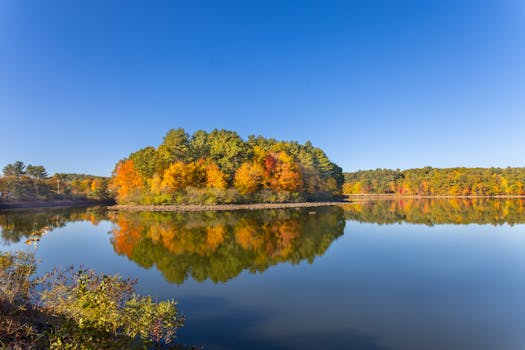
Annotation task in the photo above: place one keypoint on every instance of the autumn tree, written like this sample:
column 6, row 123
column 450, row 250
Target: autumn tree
column 126, row 181
column 215, row 178
column 282, row 173
column 180, row 175
column 249, row 177
column 97, row 187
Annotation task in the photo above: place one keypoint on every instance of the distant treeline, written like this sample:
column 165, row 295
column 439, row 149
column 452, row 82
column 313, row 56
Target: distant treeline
column 430, row 181
column 32, row 183
column 220, row 167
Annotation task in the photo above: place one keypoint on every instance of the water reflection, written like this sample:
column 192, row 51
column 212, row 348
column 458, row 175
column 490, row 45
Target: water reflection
column 219, row 246
column 439, row 211
column 18, row 225
column 377, row 287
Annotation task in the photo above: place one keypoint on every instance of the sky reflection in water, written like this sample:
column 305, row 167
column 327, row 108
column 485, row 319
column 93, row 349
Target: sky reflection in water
column 397, row 275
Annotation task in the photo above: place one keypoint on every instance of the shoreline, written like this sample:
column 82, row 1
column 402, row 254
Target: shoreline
column 400, row 196
column 350, row 199
column 221, row 207
column 52, row 204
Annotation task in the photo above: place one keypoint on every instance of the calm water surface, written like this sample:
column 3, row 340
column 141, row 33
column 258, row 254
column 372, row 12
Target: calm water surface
column 416, row 274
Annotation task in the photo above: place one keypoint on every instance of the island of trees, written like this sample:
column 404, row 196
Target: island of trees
column 430, row 181
column 221, row 167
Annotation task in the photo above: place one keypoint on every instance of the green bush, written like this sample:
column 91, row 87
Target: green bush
column 78, row 310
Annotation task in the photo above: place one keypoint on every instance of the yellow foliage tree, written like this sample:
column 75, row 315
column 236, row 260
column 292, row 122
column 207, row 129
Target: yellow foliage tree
column 180, row 175
column 248, row 177
column 215, row 178
column 96, row 185
column 156, row 185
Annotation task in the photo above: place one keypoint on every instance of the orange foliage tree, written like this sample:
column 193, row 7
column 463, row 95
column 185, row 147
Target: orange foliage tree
column 126, row 181
column 287, row 175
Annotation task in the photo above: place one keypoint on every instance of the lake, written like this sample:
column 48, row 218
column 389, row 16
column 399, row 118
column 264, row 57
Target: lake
column 392, row 274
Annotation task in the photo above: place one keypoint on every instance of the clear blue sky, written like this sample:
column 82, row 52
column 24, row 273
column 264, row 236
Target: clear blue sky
column 394, row 84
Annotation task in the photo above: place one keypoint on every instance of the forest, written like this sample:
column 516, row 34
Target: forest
column 430, row 181
column 221, row 167
column 21, row 182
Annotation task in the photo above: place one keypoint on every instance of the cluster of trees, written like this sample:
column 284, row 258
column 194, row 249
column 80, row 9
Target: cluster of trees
column 220, row 167
column 434, row 211
column 32, row 182
column 219, row 246
column 430, row 181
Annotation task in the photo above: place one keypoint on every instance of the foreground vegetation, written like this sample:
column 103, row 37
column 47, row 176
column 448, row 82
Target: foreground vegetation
column 220, row 167
column 32, row 183
column 77, row 310
column 437, row 182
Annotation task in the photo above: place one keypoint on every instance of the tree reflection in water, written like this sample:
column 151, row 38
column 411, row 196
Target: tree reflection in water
column 435, row 211
column 220, row 245
column 17, row 225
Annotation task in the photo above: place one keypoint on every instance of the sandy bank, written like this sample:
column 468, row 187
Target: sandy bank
column 222, row 207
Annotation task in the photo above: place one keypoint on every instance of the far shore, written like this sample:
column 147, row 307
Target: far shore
column 53, row 203
column 352, row 198
column 258, row 206
column 221, row 207
column 368, row 196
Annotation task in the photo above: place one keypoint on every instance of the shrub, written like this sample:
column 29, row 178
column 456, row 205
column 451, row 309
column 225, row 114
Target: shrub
column 78, row 310
column 16, row 270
